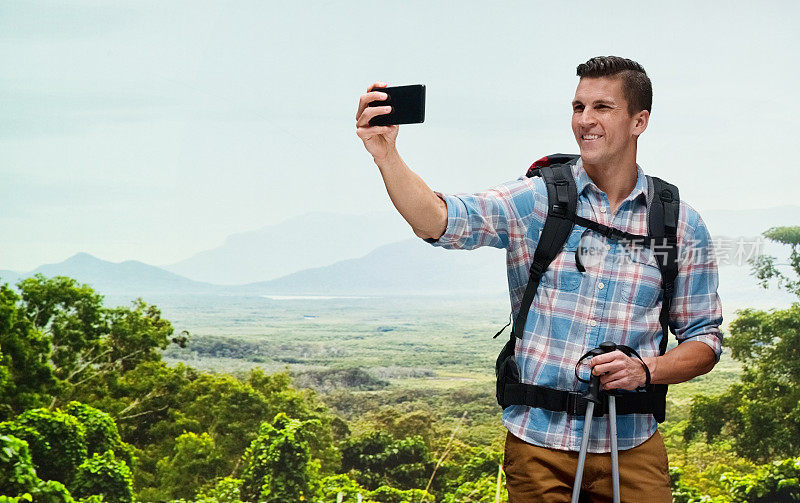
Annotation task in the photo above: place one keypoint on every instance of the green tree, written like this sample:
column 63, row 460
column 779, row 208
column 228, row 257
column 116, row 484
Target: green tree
column 104, row 475
column 766, row 267
column 681, row 492
column 89, row 343
column 388, row 494
column 26, row 378
column 483, row 463
column 773, row 483
column 302, row 404
column 401, row 424
column 761, row 412
column 17, row 474
column 101, row 432
column 56, row 439
column 332, row 485
column 137, row 334
column 477, row 491
column 146, row 404
column 379, row 459
column 72, row 317
column 228, row 409
column 195, row 462
column 226, row 490
column 278, row 467
column 18, row 479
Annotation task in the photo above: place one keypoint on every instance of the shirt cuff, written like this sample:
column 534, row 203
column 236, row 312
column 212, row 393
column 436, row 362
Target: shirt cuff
column 456, row 221
column 713, row 341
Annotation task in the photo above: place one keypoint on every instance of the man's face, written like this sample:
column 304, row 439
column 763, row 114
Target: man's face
column 600, row 121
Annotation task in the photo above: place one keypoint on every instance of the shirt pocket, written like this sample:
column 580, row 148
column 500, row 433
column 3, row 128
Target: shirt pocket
column 563, row 273
column 640, row 277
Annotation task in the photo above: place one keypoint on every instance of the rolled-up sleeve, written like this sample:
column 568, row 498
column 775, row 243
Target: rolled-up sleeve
column 696, row 312
column 485, row 218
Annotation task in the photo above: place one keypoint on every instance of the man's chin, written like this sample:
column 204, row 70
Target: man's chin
column 589, row 156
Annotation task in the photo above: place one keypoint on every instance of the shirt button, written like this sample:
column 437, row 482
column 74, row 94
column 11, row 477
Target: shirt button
column 602, row 209
column 593, row 323
column 608, row 247
column 600, row 285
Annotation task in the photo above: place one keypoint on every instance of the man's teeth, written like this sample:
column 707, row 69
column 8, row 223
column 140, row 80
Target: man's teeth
column 591, row 136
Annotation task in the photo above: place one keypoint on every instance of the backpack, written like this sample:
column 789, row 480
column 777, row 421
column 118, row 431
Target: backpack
column 663, row 212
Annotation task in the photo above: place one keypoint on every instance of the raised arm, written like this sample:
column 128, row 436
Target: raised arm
column 416, row 202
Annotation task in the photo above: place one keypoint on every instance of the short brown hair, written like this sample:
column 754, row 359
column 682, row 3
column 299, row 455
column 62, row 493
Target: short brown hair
column 636, row 84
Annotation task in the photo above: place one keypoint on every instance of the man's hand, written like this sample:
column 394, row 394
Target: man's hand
column 618, row 370
column 379, row 140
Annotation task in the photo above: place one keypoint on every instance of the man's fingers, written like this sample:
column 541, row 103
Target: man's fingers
column 366, row 115
column 366, row 99
column 603, row 368
column 365, row 133
column 604, row 358
column 605, row 362
column 376, row 84
column 369, row 96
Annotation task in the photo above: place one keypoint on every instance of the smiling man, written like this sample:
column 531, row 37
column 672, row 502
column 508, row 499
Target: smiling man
column 615, row 297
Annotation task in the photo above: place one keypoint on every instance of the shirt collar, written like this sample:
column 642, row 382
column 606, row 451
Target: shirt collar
column 582, row 181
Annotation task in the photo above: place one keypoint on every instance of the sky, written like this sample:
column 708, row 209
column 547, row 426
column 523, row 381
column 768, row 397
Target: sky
column 152, row 130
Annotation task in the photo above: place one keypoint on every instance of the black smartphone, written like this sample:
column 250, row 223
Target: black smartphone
column 407, row 102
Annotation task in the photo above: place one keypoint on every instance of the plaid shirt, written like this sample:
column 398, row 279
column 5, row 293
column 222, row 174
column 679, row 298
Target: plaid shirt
column 617, row 298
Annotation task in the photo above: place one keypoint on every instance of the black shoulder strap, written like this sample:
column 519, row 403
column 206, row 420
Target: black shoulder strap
column 562, row 202
column 662, row 223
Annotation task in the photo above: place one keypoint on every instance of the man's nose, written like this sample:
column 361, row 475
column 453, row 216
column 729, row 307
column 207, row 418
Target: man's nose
column 586, row 118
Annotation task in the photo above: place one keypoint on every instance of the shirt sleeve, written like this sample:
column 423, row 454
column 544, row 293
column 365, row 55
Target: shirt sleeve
column 486, row 218
column 696, row 311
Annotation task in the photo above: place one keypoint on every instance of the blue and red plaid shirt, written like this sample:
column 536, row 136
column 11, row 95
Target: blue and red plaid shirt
column 617, row 298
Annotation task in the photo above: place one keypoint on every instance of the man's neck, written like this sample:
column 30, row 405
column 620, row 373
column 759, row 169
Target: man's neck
column 616, row 179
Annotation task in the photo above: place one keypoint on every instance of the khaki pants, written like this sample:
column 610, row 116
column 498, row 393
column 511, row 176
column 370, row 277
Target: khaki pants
column 537, row 474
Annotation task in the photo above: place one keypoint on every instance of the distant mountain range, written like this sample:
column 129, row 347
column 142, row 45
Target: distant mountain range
column 320, row 239
column 311, row 240
column 405, row 267
column 131, row 277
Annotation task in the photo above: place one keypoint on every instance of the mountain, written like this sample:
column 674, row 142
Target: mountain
column 329, row 254
column 310, row 240
column 414, row 267
column 321, row 239
column 131, row 278
column 406, row 267
column 403, row 268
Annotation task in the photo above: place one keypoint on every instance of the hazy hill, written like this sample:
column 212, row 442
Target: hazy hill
column 410, row 266
column 405, row 267
column 311, row 240
column 130, row 278
column 321, row 239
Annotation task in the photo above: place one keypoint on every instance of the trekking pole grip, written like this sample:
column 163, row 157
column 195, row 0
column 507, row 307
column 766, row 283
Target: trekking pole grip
column 593, row 394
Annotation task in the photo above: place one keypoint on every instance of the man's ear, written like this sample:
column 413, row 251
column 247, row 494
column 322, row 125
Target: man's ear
column 640, row 122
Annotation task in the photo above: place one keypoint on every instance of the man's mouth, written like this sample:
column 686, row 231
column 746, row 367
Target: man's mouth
column 590, row 136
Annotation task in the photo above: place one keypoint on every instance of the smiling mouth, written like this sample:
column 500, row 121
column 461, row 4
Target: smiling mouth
column 590, row 137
